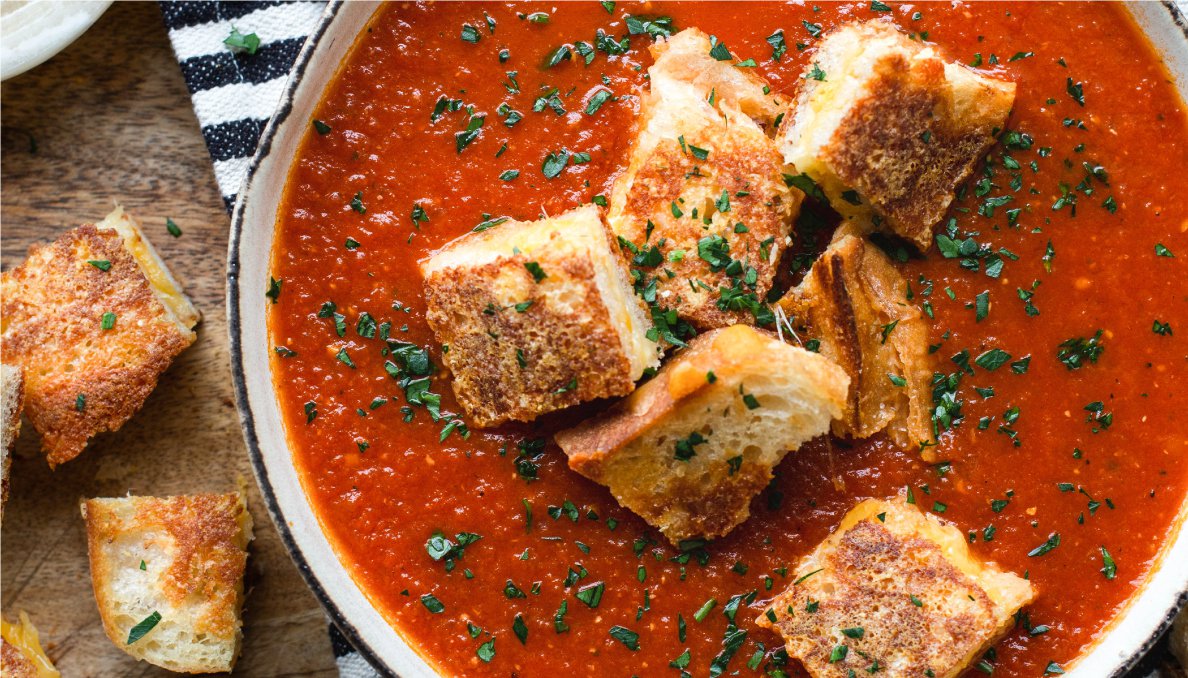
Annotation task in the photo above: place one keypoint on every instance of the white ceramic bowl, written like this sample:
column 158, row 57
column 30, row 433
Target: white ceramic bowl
column 252, row 225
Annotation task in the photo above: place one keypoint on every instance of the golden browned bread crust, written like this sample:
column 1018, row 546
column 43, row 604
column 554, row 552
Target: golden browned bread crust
column 738, row 399
column 850, row 296
column 701, row 172
column 519, row 347
column 194, row 550
column 81, row 379
column 901, row 594
column 907, row 137
column 12, row 403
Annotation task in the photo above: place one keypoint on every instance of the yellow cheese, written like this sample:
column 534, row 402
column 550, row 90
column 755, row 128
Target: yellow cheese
column 24, row 637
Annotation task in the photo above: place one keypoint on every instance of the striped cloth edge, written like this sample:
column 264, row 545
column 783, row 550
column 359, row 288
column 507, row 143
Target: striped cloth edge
column 234, row 94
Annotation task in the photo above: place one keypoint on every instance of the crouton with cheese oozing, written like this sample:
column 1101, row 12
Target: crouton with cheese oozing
column 894, row 593
column 702, row 211
column 888, row 129
column 691, row 448
column 537, row 316
column 93, row 319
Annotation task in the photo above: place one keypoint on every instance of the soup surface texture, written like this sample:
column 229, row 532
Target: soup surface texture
column 444, row 116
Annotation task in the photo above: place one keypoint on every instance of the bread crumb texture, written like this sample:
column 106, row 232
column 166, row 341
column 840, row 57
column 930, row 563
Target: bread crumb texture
column 93, row 318
column 691, row 448
column 181, row 558
column 894, row 592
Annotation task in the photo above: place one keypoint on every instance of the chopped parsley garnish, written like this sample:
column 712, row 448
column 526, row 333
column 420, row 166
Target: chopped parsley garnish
column 174, row 229
column 626, row 636
column 108, row 320
column 597, row 100
column 357, row 203
column 778, row 46
column 101, row 264
column 1109, row 568
column 432, row 604
column 1052, row 542
column 591, row 594
column 537, row 272
column 1078, row 351
column 685, row 446
column 654, row 26
column 321, row 127
column 143, row 627
column 238, row 41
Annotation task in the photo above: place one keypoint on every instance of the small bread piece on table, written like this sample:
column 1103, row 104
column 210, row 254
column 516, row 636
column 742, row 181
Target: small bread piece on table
column 705, row 186
column 883, row 124
column 12, row 403
column 21, row 654
column 94, row 318
column 691, row 448
column 894, row 593
column 537, row 316
column 168, row 576
column 855, row 303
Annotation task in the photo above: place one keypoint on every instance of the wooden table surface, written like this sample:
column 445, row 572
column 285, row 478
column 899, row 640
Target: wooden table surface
column 109, row 119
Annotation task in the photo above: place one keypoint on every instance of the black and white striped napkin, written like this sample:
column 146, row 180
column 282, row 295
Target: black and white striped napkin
column 234, row 93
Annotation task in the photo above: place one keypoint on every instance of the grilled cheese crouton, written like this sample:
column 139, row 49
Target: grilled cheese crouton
column 94, row 318
column 21, row 654
column 688, row 450
column 168, row 576
column 900, row 592
column 887, row 128
column 704, row 187
column 854, row 302
column 12, row 402
column 537, row 316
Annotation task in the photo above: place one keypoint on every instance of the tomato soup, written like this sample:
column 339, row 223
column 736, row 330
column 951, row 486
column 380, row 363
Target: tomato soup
column 1057, row 296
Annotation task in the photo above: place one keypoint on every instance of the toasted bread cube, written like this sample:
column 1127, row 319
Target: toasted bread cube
column 688, row 450
column 168, row 576
column 80, row 378
column 537, row 316
column 12, row 403
column 898, row 590
column 885, row 126
column 705, row 187
column 854, row 302
column 21, row 654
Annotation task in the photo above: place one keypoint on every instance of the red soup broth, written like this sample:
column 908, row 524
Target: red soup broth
column 379, row 183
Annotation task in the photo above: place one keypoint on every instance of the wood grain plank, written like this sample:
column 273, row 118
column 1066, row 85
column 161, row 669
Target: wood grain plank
column 110, row 120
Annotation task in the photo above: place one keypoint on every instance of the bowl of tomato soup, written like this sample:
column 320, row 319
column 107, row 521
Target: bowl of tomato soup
column 440, row 549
